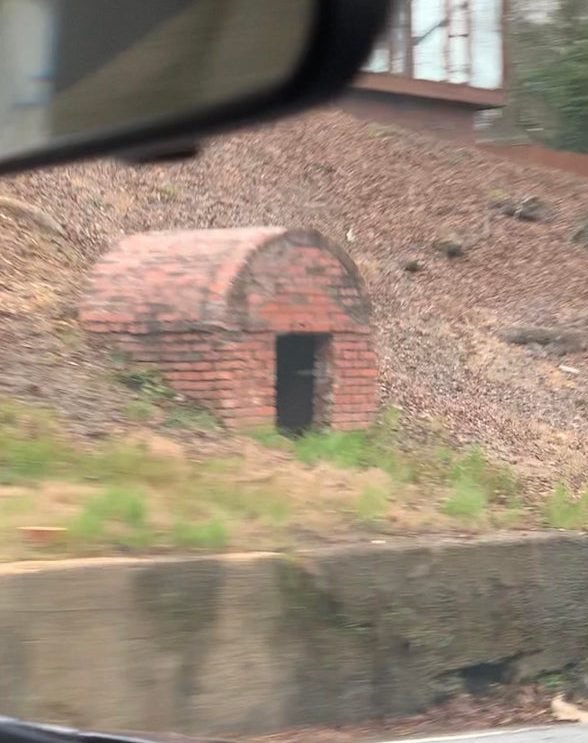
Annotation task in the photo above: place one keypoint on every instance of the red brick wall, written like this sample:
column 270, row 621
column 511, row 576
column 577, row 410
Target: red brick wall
column 199, row 365
column 290, row 284
column 354, row 373
column 306, row 289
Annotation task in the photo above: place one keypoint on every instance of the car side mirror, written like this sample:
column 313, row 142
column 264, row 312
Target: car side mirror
column 83, row 78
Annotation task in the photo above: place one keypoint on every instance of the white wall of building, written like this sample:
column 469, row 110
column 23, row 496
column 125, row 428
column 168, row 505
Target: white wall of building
column 431, row 62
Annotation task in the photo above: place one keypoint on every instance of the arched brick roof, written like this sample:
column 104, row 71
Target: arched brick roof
column 219, row 279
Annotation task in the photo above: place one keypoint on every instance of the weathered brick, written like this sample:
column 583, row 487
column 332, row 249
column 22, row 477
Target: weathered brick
column 210, row 315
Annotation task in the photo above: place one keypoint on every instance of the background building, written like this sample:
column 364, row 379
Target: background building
column 437, row 64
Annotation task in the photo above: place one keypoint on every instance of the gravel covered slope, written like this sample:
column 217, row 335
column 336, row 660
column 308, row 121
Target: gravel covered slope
column 387, row 196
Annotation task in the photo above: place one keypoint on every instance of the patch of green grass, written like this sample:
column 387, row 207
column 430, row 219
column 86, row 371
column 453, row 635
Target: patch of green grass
column 554, row 683
column 123, row 463
column 116, row 516
column 30, row 447
column 191, row 419
column 468, row 501
column 245, row 500
column 8, row 415
column 28, row 457
column 140, row 411
column 71, row 337
column 372, row 505
column 16, row 505
column 477, row 483
column 383, row 450
column 270, row 437
column 148, row 382
column 88, row 528
column 445, row 456
column 342, row 448
column 33, row 451
column 218, row 487
column 498, row 482
column 508, row 518
column 168, row 191
column 472, row 464
column 221, row 466
column 264, row 503
column 563, row 510
column 26, row 419
column 154, row 393
column 212, row 534
column 120, row 358
column 191, row 502
column 117, row 504
column 127, row 480
column 26, row 460
column 389, row 424
column 400, row 467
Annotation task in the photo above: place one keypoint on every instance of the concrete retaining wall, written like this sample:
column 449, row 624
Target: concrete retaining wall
column 253, row 643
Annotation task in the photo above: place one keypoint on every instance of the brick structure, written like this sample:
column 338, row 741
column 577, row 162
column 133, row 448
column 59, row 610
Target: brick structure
column 259, row 325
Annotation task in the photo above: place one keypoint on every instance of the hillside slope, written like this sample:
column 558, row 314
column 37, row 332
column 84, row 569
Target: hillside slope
column 388, row 196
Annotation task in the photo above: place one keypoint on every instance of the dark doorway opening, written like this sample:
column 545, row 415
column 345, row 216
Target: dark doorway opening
column 296, row 366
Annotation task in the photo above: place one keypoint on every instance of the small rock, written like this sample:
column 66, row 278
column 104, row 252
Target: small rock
column 569, row 369
column 97, row 433
column 450, row 248
column 531, row 209
column 580, row 234
column 412, row 266
column 557, row 340
column 523, row 335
